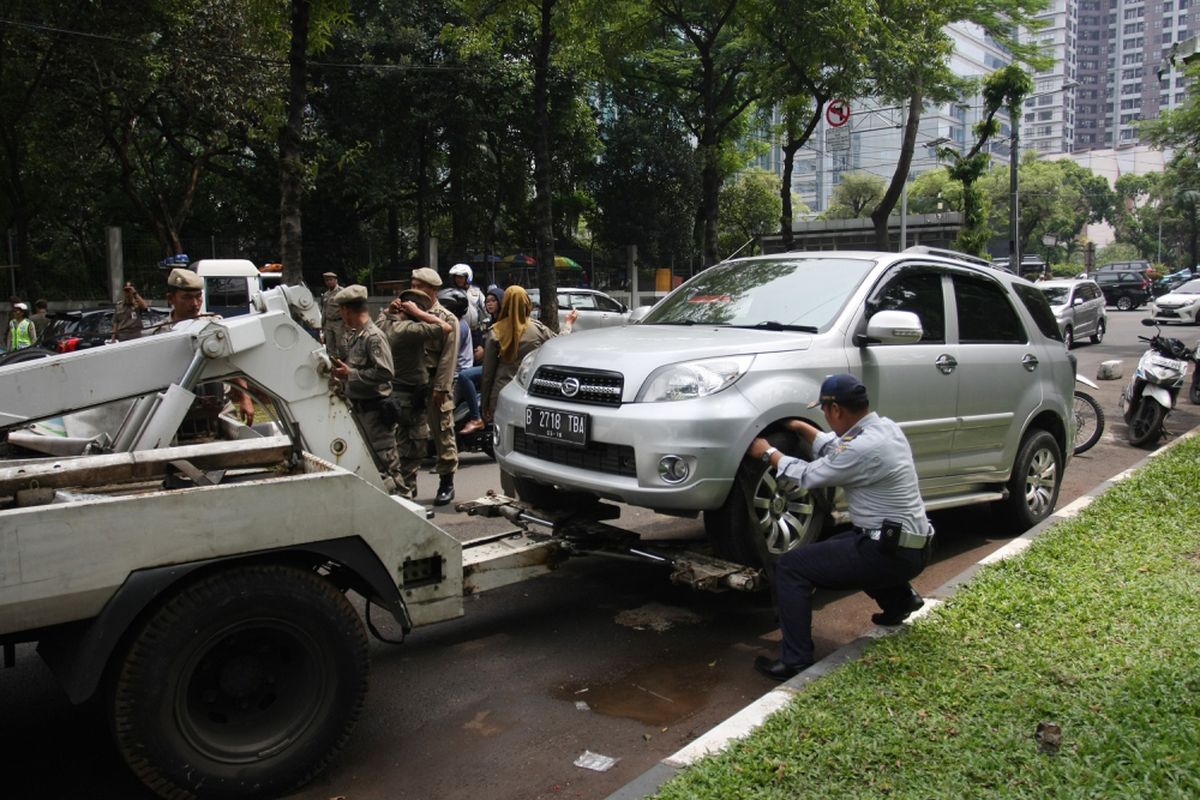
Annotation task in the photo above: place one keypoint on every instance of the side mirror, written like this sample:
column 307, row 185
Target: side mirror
column 1078, row 301
column 893, row 327
column 1149, row 323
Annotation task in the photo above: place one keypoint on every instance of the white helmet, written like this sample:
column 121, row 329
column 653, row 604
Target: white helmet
column 461, row 269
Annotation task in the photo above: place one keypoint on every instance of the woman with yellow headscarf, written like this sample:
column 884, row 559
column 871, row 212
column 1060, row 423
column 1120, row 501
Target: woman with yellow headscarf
column 514, row 335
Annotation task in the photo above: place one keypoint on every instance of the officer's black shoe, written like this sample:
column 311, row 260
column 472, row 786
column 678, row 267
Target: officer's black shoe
column 445, row 492
column 895, row 616
column 776, row 670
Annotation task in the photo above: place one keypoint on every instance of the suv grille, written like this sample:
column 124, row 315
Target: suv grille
column 615, row 459
column 590, row 386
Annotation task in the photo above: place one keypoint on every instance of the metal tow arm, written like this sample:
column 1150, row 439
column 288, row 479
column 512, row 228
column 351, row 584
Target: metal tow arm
column 588, row 534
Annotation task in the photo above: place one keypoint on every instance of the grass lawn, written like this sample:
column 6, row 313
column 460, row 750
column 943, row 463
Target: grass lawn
column 1095, row 628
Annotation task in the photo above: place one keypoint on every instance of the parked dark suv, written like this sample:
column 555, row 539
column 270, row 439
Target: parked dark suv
column 1125, row 290
column 70, row 331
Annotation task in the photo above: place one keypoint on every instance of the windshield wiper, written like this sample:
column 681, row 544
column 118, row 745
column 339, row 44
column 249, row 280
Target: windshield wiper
column 772, row 325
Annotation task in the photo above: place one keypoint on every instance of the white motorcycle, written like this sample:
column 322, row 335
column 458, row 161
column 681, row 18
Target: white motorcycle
column 1151, row 392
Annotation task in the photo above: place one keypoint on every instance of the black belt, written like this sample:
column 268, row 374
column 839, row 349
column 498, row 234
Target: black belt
column 367, row 404
column 907, row 539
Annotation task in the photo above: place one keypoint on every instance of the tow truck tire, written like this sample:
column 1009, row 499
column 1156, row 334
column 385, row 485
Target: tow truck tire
column 243, row 684
column 758, row 522
column 1036, row 478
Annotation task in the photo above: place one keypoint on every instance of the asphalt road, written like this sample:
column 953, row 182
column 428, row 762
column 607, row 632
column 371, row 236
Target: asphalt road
column 601, row 656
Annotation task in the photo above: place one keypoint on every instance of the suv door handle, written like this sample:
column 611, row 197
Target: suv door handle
column 945, row 364
column 1030, row 362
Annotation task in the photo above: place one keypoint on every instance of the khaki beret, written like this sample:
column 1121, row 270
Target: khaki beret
column 329, row 275
column 417, row 296
column 427, row 276
column 185, row 280
column 351, row 294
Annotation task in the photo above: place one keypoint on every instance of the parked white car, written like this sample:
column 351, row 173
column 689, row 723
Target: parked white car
column 596, row 309
column 967, row 359
column 1181, row 304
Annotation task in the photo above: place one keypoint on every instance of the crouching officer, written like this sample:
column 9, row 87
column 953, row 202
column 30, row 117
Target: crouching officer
column 868, row 456
column 365, row 378
column 408, row 325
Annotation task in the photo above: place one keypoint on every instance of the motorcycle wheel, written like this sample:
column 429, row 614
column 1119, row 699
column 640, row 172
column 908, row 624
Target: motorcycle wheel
column 1194, row 392
column 1089, row 422
column 1145, row 425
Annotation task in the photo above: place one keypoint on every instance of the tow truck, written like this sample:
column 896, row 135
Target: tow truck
column 200, row 587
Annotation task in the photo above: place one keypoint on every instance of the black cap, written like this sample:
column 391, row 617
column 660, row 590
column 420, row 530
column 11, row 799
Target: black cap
column 842, row 389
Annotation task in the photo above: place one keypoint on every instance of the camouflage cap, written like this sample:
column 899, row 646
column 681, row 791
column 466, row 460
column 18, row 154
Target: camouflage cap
column 427, row 276
column 417, row 296
column 354, row 293
column 184, row 280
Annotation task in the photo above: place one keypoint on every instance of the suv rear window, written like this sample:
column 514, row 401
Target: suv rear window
column 985, row 315
column 1037, row 306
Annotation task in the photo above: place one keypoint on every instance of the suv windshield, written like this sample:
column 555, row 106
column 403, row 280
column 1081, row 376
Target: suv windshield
column 777, row 294
column 1056, row 295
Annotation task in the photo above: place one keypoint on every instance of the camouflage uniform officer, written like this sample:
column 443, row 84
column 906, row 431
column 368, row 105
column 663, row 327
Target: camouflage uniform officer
column 332, row 328
column 441, row 359
column 408, row 326
column 365, row 377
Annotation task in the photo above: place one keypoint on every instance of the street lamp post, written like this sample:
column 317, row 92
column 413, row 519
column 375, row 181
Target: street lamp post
column 1014, row 162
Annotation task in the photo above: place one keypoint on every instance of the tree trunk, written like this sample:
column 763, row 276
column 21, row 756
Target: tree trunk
column 393, row 240
column 710, row 182
column 790, row 148
column 547, row 282
column 883, row 211
column 290, row 157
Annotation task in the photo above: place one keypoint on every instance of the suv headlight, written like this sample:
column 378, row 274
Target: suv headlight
column 525, row 371
column 691, row 379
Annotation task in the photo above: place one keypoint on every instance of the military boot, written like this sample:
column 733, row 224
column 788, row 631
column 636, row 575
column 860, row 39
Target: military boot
column 445, row 492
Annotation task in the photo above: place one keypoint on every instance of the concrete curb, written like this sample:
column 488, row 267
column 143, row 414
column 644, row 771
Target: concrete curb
column 752, row 716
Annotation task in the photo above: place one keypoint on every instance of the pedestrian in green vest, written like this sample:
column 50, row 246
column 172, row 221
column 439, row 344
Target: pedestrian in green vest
column 21, row 333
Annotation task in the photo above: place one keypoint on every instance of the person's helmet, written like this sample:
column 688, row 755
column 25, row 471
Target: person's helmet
column 454, row 299
column 461, row 269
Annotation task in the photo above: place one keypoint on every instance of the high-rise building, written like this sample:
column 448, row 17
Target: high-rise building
column 1121, row 61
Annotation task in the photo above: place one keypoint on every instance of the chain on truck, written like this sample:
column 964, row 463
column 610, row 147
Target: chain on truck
column 194, row 573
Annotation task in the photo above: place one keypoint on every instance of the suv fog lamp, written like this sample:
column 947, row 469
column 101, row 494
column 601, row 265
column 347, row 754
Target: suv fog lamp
column 673, row 469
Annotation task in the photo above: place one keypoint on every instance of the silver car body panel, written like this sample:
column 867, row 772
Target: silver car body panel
column 965, row 423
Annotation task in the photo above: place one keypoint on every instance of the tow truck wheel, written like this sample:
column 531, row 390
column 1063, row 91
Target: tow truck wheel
column 759, row 522
column 245, row 683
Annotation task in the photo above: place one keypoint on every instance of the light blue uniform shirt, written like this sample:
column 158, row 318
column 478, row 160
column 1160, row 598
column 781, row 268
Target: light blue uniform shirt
column 873, row 465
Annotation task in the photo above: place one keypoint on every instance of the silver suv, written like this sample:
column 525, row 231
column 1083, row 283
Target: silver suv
column 659, row 414
column 1078, row 305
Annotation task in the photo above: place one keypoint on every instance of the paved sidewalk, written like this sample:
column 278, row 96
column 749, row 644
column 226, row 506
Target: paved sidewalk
column 752, row 716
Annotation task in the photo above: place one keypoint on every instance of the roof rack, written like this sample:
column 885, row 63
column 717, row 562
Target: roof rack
column 941, row 251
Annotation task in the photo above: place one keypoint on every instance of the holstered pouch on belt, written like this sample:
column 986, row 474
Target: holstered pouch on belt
column 889, row 537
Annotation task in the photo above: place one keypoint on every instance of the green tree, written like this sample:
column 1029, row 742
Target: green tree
column 750, row 206
column 855, row 196
column 910, row 66
column 815, row 52
column 646, row 181
column 699, row 63
column 1005, row 88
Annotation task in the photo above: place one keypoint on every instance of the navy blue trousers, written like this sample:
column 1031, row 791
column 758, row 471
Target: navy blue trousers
column 849, row 560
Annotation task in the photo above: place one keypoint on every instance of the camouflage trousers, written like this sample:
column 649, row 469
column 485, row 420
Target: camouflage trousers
column 441, row 424
column 412, row 440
